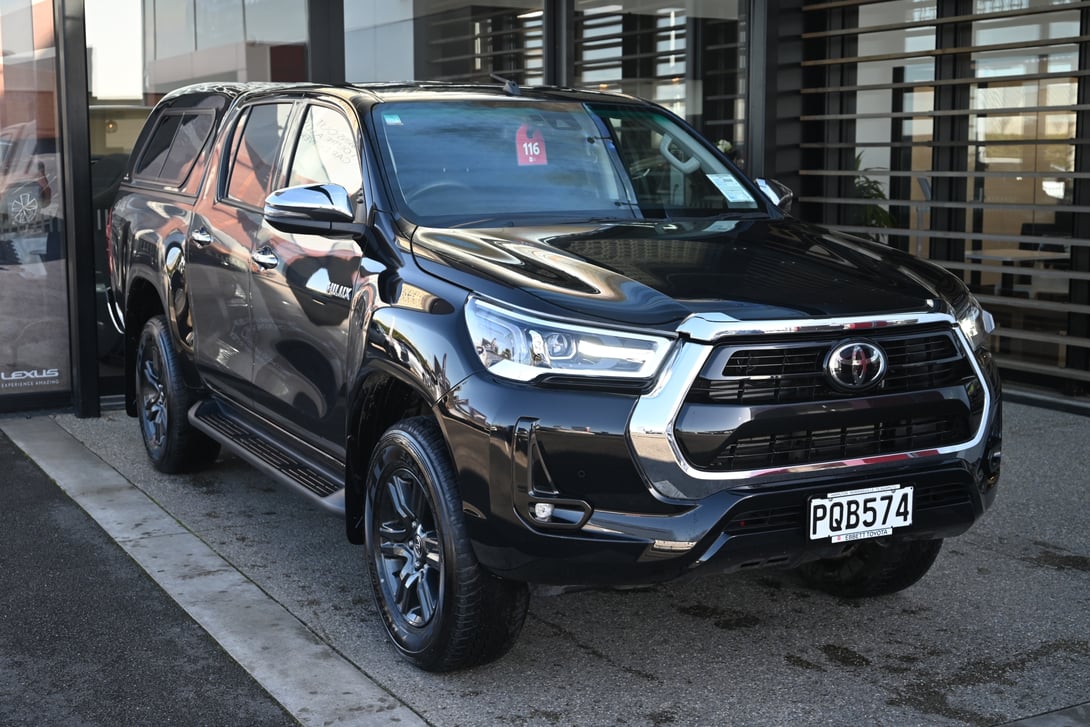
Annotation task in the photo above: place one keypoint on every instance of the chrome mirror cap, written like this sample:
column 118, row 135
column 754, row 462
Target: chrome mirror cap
column 779, row 193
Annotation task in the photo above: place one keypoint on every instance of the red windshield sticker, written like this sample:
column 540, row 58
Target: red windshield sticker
column 531, row 146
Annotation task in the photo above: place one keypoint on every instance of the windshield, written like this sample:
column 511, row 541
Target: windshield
column 474, row 162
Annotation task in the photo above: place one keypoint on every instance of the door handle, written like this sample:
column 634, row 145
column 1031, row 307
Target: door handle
column 265, row 257
column 201, row 237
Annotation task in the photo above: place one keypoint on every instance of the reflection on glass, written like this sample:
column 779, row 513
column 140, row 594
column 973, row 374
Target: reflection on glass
column 1023, row 155
column 175, row 28
column 34, row 351
column 255, row 151
column 277, row 21
column 216, row 40
column 470, row 42
column 219, row 22
column 139, row 51
column 688, row 57
column 326, row 152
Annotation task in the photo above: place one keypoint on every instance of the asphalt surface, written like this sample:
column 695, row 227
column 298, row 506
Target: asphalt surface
column 87, row 637
column 997, row 633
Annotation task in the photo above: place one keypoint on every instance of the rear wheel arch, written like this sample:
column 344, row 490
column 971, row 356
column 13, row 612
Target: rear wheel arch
column 163, row 399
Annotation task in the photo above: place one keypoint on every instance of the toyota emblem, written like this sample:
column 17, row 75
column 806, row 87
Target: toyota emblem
column 856, row 365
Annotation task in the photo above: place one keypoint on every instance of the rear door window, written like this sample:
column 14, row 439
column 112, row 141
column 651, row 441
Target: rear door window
column 255, row 151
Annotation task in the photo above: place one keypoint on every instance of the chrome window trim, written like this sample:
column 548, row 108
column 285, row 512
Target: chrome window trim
column 651, row 424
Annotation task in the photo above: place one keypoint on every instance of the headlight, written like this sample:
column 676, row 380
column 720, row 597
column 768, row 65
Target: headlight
column 520, row 346
column 975, row 322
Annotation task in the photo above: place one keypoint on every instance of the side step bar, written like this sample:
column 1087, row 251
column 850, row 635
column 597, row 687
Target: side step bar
column 321, row 484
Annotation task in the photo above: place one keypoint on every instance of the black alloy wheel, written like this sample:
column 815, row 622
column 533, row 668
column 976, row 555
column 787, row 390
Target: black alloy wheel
column 410, row 558
column 162, row 402
column 440, row 609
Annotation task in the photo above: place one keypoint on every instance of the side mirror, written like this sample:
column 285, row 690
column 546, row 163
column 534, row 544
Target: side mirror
column 781, row 195
column 312, row 209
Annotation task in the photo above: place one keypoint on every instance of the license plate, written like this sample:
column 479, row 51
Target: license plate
column 858, row 514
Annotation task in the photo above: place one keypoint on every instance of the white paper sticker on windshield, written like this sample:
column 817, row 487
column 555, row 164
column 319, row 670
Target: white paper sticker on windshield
column 721, row 226
column 392, row 119
column 732, row 189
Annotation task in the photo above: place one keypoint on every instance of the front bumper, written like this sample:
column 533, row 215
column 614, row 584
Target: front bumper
column 614, row 522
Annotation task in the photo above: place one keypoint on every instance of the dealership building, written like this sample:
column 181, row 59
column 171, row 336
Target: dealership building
column 956, row 130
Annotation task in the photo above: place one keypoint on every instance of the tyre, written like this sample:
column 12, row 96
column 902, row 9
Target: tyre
column 162, row 402
column 872, row 569
column 442, row 611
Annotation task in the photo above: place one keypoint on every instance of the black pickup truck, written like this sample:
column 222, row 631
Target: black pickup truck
column 542, row 336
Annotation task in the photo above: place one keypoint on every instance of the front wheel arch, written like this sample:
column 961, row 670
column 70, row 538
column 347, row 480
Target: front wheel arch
column 381, row 401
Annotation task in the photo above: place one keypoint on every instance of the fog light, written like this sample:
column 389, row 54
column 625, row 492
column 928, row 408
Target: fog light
column 543, row 512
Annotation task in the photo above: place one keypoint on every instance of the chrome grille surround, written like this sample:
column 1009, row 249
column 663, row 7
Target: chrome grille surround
column 651, row 425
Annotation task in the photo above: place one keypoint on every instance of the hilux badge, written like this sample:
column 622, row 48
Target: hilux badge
column 856, row 365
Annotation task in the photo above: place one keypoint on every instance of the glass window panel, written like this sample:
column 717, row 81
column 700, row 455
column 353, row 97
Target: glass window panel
column 1026, row 29
column 897, row 11
column 916, row 40
column 326, row 151
column 255, row 153
column 457, row 41
column 1027, row 183
column 277, row 21
column 171, row 44
column 188, row 141
column 175, row 29
column 155, row 153
column 654, row 48
column 34, row 325
column 219, row 22
column 1005, row 223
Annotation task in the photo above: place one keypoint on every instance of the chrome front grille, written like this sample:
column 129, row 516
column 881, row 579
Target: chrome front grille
column 758, row 405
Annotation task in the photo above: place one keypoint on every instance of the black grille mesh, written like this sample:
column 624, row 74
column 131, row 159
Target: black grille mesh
column 835, row 443
column 758, row 519
column 792, row 373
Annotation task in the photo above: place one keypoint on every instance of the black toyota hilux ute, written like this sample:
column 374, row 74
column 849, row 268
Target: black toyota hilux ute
column 539, row 336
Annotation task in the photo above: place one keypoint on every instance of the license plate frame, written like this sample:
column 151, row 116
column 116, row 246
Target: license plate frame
column 870, row 512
